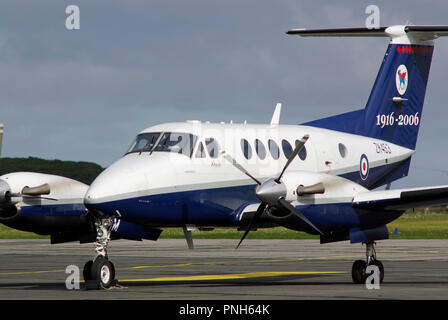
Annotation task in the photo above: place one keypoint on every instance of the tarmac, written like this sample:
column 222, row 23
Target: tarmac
column 260, row 270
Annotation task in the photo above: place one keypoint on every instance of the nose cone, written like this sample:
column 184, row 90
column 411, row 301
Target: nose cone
column 121, row 180
column 126, row 182
column 270, row 191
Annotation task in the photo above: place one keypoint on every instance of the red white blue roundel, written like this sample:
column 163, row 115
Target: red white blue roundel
column 364, row 167
column 401, row 79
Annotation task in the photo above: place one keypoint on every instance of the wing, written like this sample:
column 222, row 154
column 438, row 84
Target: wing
column 402, row 199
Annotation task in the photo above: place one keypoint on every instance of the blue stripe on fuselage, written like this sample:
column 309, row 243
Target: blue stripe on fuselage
column 221, row 207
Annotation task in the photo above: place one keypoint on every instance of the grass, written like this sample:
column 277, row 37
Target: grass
column 421, row 224
column 9, row 233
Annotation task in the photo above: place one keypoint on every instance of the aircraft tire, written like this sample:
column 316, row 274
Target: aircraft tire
column 103, row 271
column 359, row 271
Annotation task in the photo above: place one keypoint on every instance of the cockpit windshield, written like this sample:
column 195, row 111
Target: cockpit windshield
column 182, row 143
column 144, row 142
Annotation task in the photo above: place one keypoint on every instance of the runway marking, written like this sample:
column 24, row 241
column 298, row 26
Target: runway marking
column 233, row 276
column 189, row 264
column 28, row 272
column 215, row 263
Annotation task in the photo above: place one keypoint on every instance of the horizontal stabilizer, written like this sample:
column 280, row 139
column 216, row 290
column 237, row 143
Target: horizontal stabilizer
column 421, row 32
column 339, row 32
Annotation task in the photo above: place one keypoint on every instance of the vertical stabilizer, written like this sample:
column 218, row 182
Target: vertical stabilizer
column 395, row 105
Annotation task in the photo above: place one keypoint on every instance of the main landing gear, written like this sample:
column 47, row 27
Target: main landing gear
column 359, row 266
column 100, row 272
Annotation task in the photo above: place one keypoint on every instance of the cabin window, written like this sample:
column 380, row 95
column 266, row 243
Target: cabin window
column 260, row 149
column 273, row 149
column 182, row 143
column 342, row 150
column 212, row 147
column 246, row 148
column 143, row 142
column 287, row 149
column 302, row 152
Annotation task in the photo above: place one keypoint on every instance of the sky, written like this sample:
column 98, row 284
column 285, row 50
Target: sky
column 84, row 94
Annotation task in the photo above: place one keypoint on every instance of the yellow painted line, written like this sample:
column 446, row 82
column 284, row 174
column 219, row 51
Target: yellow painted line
column 29, row 272
column 233, row 276
column 215, row 263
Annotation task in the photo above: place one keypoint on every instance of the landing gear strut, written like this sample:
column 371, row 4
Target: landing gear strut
column 359, row 266
column 100, row 272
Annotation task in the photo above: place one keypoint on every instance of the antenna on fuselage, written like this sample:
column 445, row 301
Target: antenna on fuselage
column 276, row 116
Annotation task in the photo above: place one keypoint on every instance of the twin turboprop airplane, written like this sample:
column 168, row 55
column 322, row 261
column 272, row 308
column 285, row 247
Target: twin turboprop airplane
column 316, row 177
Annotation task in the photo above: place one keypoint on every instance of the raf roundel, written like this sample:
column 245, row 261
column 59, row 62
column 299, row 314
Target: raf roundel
column 401, row 79
column 364, row 167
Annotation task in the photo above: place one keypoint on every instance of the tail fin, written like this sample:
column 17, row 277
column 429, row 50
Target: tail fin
column 394, row 108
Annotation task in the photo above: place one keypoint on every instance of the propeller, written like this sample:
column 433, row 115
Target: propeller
column 239, row 167
column 273, row 192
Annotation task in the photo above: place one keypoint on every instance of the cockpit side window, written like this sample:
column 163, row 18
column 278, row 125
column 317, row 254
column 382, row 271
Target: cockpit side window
column 200, row 152
column 182, row 143
column 144, row 142
column 212, row 147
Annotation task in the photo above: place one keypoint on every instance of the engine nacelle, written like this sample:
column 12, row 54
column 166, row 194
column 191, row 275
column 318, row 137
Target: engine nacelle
column 34, row 184
column 28, row 201
column 314, row 188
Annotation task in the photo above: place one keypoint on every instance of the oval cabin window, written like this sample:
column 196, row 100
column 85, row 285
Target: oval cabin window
column 246, row 149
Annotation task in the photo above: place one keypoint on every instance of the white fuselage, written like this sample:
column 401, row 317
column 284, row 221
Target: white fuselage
column 144, row 173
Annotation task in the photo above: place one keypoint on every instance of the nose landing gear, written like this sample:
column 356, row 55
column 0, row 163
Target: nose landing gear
column 359, row 267
column 100, row 272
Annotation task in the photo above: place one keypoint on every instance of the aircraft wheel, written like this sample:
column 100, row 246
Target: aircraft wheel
column 359, row 271
column 103, row 271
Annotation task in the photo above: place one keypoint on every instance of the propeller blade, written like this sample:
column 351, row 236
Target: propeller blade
column 293, row 209
column 239, row 167
column 252, row 222
column 293, row 155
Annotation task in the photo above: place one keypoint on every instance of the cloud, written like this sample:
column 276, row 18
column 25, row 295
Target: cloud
column 84, row 94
